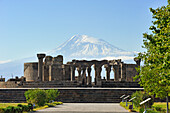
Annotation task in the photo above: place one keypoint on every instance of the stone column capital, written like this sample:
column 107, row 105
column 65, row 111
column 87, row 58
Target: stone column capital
column 40, row 56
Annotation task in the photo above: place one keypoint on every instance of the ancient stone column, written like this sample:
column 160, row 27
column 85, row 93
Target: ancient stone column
column 116, row 72
column 79, row 73
column 40, row 66
column 72, row 73
column 98, row 70
column 84, row 81
column 108, row 69
column 95, row 68
column 123, row 72
column 89, row 76
column 48, row 62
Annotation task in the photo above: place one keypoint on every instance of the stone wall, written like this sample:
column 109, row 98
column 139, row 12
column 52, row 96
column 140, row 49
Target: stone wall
column 94, row 95
column 89, row 95
column 130, row 72
column 31, row 71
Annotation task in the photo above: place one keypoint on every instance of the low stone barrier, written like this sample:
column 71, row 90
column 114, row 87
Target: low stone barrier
column 72, row 95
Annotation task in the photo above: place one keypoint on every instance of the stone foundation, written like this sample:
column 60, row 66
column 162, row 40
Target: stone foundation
column 72, row 95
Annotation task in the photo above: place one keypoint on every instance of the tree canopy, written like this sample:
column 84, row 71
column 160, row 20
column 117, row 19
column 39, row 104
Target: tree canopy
column 154, row 75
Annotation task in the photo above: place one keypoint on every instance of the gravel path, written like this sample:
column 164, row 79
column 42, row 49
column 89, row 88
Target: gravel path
column 85, row 108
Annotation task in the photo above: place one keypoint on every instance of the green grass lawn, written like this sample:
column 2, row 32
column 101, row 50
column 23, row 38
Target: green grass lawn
column 158, row 105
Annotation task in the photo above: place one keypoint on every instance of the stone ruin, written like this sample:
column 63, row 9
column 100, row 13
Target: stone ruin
column 51, row 72
column 53, row 69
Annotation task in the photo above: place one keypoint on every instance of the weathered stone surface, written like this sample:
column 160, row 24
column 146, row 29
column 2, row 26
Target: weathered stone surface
column 31, row 71
column 40, row 66
column 79, row 95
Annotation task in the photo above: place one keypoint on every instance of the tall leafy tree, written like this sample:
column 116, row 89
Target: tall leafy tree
column 154, row 75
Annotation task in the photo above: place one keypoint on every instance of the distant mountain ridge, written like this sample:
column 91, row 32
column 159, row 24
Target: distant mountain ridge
column 77, row 47
column 83, row 46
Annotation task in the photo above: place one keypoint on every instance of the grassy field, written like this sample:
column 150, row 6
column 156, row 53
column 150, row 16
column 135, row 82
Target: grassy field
column 161, row 104
column 158, row 105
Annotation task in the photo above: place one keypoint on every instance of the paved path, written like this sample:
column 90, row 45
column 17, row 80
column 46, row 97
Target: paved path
column 85, row 108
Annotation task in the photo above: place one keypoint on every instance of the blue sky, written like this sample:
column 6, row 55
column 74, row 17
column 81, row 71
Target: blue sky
column 31, row 26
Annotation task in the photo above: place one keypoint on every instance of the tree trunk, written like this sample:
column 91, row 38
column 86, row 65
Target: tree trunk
column 167, row 106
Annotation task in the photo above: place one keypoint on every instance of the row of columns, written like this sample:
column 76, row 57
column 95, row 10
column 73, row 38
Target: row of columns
column 119, row 72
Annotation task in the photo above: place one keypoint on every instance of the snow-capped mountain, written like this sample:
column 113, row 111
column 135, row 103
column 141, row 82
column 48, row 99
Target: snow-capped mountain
column 77, row 47
column 83, row 46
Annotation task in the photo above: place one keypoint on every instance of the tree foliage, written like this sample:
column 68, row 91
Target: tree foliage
column 40, row 96
column 141, row 96
column 154, row 76
column 52, row 94
column 36, row 96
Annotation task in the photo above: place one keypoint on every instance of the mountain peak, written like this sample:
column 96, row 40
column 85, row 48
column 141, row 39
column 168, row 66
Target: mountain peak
column 87, row 47
column 84, row 39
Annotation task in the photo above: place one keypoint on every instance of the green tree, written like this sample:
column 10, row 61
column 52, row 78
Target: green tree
column 154, row 76
column 52, row 94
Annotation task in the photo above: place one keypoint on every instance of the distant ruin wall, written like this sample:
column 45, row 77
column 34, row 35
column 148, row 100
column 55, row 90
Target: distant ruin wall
column 31, row 71
column 74, row 95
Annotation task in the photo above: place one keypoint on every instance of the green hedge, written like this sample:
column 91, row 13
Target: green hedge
column 18, row 109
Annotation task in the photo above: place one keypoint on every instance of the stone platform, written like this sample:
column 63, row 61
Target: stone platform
column 72, row 95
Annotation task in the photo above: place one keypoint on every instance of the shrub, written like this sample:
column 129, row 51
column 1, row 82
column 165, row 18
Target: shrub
column 52, row 94
column 9, row 109
column 37, row 96
column 17, row 110
column 25, row 108
column 30, row 106
column 141, row 96
column 40, row 97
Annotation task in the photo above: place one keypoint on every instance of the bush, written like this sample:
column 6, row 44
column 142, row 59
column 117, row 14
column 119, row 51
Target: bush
column 141, row 96
column 37, row 96
column 30, row 106
column 40, row 97
column 52, row 94
column 18, row 110
column 9, row 109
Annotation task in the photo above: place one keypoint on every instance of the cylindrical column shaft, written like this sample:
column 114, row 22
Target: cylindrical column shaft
column 72, row 73
column 40, row 66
